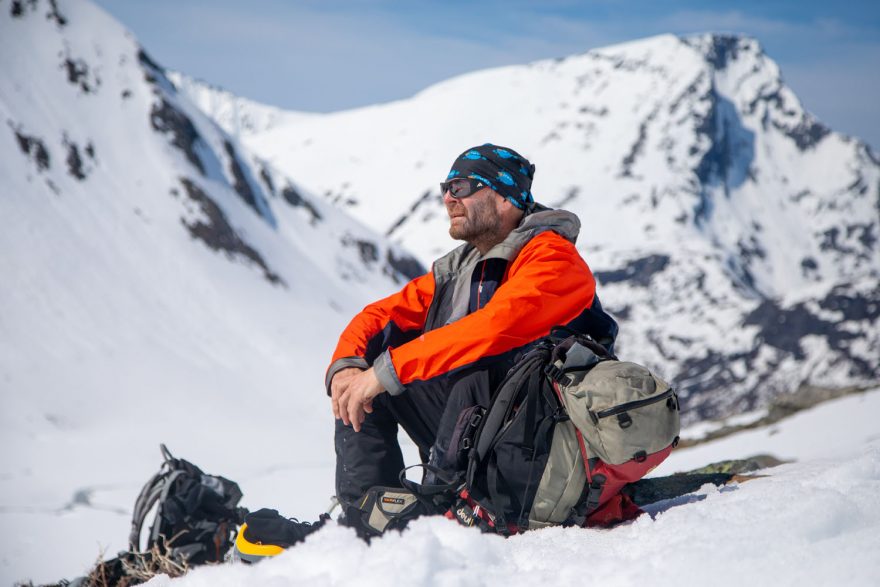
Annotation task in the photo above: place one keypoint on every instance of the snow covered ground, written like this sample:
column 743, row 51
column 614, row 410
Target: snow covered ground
column 813, row 522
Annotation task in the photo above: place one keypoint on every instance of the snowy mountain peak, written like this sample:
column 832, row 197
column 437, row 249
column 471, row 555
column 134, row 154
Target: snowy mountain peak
column 723, row 221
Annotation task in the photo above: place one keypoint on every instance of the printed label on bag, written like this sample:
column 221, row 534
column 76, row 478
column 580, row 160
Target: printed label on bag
column 394, row 500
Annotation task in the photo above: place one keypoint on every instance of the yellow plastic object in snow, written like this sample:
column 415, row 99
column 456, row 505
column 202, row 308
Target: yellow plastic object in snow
column 252, row 552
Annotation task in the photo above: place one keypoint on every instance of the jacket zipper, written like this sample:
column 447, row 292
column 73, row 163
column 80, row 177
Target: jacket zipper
column 634, row 405
column 432, row 307
column 480, row 286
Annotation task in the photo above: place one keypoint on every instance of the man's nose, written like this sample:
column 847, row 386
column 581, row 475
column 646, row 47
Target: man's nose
column 447, row 197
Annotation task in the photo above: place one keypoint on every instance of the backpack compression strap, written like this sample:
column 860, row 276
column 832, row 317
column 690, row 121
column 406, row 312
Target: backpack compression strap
column 435, row 497
column 595, row 483
column 155, row 490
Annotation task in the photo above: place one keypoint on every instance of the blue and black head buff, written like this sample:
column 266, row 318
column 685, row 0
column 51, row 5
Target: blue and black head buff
column 504, row 170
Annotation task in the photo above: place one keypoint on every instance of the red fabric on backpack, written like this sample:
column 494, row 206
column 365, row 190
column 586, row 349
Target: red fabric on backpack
column 616, row 476
column 616, row 510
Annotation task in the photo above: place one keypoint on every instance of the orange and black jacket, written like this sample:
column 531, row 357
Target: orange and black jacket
column 472, row 308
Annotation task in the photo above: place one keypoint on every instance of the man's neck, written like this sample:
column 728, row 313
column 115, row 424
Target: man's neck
column 484, row 242
column 484, row 245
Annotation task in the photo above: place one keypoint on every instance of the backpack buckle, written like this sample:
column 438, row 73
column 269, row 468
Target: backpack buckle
column 594, row 493
column 554, row 371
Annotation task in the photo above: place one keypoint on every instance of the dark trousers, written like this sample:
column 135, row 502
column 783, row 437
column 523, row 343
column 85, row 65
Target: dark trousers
column 427, row 413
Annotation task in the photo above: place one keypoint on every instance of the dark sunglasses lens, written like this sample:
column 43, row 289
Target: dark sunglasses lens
column 458, row 188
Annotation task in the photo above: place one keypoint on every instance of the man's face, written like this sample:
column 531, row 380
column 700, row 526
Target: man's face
column 474, row 217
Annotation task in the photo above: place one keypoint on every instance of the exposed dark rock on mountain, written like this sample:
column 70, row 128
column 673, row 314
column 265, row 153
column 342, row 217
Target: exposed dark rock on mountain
column 241, row 185
column 637, row 272
column 215, row 231
column 293, row 197
column 74, row 161
column 407, row 266
column 34, row 148
column 165, row 118
column 78, row 74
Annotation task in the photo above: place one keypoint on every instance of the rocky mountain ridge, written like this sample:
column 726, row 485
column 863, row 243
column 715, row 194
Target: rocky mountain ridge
column 732, row 233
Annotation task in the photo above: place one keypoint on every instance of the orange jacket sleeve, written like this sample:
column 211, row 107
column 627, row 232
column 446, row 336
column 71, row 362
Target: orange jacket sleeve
column 548, row 284
column 406, row 309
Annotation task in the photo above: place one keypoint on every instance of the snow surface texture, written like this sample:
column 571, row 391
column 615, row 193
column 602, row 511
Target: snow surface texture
column 733, row 235
column 816, row 522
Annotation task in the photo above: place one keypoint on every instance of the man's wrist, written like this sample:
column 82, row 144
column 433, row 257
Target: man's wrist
column 387, row 375
column 343, row 363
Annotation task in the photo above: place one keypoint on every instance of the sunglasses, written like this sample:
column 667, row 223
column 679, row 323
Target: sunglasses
column 461, row 187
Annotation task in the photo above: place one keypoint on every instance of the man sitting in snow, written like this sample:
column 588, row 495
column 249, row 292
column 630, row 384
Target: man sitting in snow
column 445, row 341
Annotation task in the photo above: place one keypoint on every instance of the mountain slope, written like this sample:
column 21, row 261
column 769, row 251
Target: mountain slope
column 733, row 235
column 160, row 284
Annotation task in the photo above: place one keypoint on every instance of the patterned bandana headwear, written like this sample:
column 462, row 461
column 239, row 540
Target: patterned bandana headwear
column 504, row 170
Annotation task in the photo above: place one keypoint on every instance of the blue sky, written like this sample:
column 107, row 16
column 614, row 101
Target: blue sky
column 325, row 55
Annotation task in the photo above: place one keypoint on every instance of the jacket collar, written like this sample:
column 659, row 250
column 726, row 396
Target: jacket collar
column 562, row 222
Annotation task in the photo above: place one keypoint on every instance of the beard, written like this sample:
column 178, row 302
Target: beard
column 482, row 222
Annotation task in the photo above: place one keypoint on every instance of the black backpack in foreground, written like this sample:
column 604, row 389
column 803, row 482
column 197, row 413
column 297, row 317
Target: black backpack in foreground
column 196, row 515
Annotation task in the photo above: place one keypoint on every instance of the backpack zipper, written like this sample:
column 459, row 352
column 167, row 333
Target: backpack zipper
column 634, row 405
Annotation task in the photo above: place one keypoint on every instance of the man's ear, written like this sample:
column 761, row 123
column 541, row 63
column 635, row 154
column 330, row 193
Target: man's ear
column 506, row 204
column 508, row 210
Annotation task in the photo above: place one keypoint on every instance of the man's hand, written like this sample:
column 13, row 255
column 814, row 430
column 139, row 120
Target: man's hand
column 337, row 384
column 356, row 397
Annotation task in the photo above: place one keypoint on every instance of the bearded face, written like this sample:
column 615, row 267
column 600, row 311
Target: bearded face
column 475, row 217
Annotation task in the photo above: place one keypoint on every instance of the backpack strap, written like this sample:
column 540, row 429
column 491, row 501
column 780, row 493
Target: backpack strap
column 437, row 497
column 502, row 403
column 500, row 495
column 163, row 496
column 595, row 484
column 155, row 490
column 145, row 501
